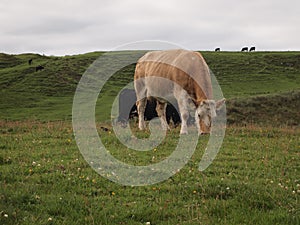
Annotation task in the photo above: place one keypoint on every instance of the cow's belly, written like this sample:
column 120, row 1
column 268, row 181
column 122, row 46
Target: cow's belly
column 160, row 88
column 166, row 90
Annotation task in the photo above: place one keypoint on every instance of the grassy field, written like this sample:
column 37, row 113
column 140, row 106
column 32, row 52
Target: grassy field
column 254, row 179
column 45, row 180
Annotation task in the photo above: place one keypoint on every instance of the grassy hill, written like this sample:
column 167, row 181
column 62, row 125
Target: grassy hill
column 253, row 180
column 48, row 94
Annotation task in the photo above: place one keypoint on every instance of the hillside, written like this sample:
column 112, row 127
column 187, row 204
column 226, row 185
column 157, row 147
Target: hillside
column 47, row 94
column 275, row 110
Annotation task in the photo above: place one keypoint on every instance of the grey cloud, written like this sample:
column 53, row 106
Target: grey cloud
column 69, row 27
column 51, row 26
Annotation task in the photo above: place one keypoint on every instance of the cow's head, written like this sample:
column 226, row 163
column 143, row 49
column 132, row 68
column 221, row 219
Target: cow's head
column 206, row 110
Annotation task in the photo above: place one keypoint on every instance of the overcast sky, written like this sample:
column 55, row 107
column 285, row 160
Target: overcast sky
column 63, row 27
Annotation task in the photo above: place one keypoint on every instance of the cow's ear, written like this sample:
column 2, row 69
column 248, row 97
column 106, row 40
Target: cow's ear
column 220, row 103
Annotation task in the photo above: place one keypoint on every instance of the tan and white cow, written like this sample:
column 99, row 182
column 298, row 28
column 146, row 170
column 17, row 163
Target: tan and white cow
column 189, row 82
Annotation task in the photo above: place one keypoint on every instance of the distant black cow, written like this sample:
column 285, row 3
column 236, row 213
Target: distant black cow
column 252, row 49
column 38, row 68
column 30, row 61
column 244, row 49
column 217, row 49
column 128, row 109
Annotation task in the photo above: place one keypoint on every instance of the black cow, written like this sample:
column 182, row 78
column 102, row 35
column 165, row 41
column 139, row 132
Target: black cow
column 252, row 49
column 30, row 61
column 244, row 49
column 171, row 112
column 127, row 99
column 128, row 109
column 217, row 49
column 38, row 68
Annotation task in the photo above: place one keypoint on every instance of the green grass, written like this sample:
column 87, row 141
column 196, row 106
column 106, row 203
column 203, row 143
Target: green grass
column 247, row 74
column 253, row 180
column 29, row 94
column 45, row 180
column 277, row 109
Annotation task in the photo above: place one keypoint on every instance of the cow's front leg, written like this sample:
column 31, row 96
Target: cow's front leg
column 182, row 100
column 161, row 112
column 184, row 114
column 184, row 118
column 141, row 106
column 198, row 124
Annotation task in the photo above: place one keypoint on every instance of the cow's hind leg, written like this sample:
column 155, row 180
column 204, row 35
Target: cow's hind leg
column 161, row 112
column 141, row 106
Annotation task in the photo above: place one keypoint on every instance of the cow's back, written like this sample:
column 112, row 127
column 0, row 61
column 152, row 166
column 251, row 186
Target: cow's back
column 185, row 68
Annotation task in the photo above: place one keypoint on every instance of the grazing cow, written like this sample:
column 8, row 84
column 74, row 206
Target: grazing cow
column 30, row 61
column 187, row 79
column 217, row 49
column 244, row 49
column 252, row 49
column 128, row 109
column 38, row 68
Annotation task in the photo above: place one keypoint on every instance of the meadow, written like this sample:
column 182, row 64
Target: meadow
column 253, row 180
